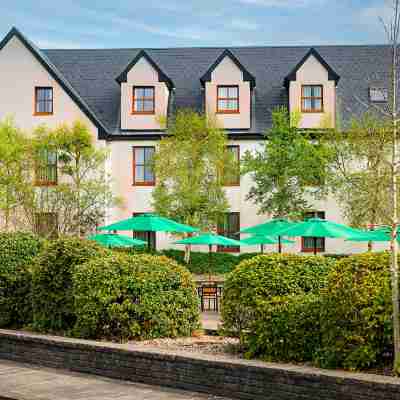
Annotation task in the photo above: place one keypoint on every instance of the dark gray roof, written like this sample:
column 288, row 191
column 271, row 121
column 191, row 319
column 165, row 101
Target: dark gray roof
column 93, row 73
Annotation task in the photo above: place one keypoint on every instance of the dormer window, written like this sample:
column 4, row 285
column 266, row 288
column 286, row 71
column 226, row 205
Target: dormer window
column 143, row 101
column 312, row 99
column 378, row 95
column 227, row 99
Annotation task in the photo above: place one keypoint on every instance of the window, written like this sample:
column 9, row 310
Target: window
column 229, row 226
column 233, row 177
column 228, row 99
column 143, row 101
column 43, row 101
column 148, row 236
column 378, row 95
column 46, row 224
column 307, row 243
column 46, row 168
column 143, row 174
column 312, row 98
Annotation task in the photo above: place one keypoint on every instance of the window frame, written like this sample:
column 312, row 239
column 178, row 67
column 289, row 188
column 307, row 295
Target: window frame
column 144, row 182
column 148, row 236
column 143, row 99
column 36, row 100
column 376, row 88
column 228, row 233
column 47, row 182
column 228, row 111
column 237, row 181
column 322, row 248
column 312, row 110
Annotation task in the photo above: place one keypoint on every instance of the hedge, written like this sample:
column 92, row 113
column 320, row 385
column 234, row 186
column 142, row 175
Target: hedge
column 134, row 296
column 356, row 313
column 255, row 283
column 52, row 299
column 17, row 251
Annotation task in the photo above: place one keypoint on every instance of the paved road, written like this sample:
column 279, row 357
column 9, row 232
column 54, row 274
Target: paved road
column 26, row 382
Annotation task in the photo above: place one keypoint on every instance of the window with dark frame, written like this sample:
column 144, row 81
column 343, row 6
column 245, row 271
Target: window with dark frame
column 312, row 99
column 143, row 101
column 43, row 101
column 307, row 243
column 229, row 226
column 46, row 224
column 227, row 99
column 46, row 173
column 148, row 236
column 143, row 173
column 233, row 177
column 378, row 94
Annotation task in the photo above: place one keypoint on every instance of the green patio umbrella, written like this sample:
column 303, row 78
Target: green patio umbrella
column 262, row 240
column 318, row 228
column 378, row 235
column 148, row 223
column 274, row 227
column 114, row 240
column 210, row 239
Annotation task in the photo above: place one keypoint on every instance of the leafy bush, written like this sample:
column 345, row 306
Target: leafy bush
column 262, row 279
column 17, row 251
column 356, row 313
column 134, row 296
column 52, row 299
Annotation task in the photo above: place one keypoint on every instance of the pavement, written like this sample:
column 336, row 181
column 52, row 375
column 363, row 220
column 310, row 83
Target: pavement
column 210, row 321
column 26, row 382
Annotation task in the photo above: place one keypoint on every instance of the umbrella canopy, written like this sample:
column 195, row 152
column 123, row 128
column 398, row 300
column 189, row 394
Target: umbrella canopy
column 149, row 223
column 378, row 235
column 114, row 240
column 262, row 239
column 270, row 228
column 210, row 239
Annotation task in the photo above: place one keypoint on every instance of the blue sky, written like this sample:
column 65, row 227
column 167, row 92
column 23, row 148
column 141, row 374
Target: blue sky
column 169, row 23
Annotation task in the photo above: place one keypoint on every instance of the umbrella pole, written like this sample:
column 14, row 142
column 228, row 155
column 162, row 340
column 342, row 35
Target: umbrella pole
column 279, row 244
column 315, row 245
column 209, row 261
column 262, row 249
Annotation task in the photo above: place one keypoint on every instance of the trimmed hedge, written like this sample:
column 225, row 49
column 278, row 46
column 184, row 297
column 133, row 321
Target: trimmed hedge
column 356, row 313
column 17, row 251
column 252, row 288
column 52, row 299
column 134, row 296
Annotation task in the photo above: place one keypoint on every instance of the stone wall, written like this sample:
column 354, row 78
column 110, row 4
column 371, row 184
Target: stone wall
column 237, row 379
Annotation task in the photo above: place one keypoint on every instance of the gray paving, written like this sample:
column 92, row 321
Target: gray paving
column 23, row 382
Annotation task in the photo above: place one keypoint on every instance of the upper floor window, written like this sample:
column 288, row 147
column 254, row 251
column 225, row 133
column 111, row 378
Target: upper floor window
column 308, row 243
column 46, row 168
column 43, row 100
column 143, row 101
column 233, row 177
column 143, row 174
column 312, row 99
column 227, row 99
column 378, row 95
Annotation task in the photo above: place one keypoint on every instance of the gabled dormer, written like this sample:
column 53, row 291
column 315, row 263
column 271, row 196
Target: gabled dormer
column 227, row 87
column 312, row 91
column 145, row 91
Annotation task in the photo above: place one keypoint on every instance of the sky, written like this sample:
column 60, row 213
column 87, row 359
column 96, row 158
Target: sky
column 183, row 23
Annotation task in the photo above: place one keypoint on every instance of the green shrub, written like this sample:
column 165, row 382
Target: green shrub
column 52, row 299
column 17, row 251
column 356, row 314
column 134, row 296
column 263, row 278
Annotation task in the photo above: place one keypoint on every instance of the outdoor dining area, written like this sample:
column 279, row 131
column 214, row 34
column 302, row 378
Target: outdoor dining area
column 276, row 232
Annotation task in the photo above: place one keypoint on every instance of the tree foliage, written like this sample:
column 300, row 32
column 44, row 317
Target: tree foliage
column 289, row 169
column 190, row 165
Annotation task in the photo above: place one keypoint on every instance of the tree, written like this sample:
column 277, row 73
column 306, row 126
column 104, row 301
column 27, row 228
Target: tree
column 190, row 165
column 15, row 174
column 83, row 191
column 289, row 170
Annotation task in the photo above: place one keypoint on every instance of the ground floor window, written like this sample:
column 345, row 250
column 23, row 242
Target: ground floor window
column 46, row 224
column 307, row 243
column 229, row 226
column 148, row 236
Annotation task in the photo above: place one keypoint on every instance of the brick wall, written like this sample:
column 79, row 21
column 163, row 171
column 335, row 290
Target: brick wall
column 237, row 379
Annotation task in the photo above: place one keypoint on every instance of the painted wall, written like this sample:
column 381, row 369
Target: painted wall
column 313, row 73
column 227, row 73
column 20, row 72
column 143, row 74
